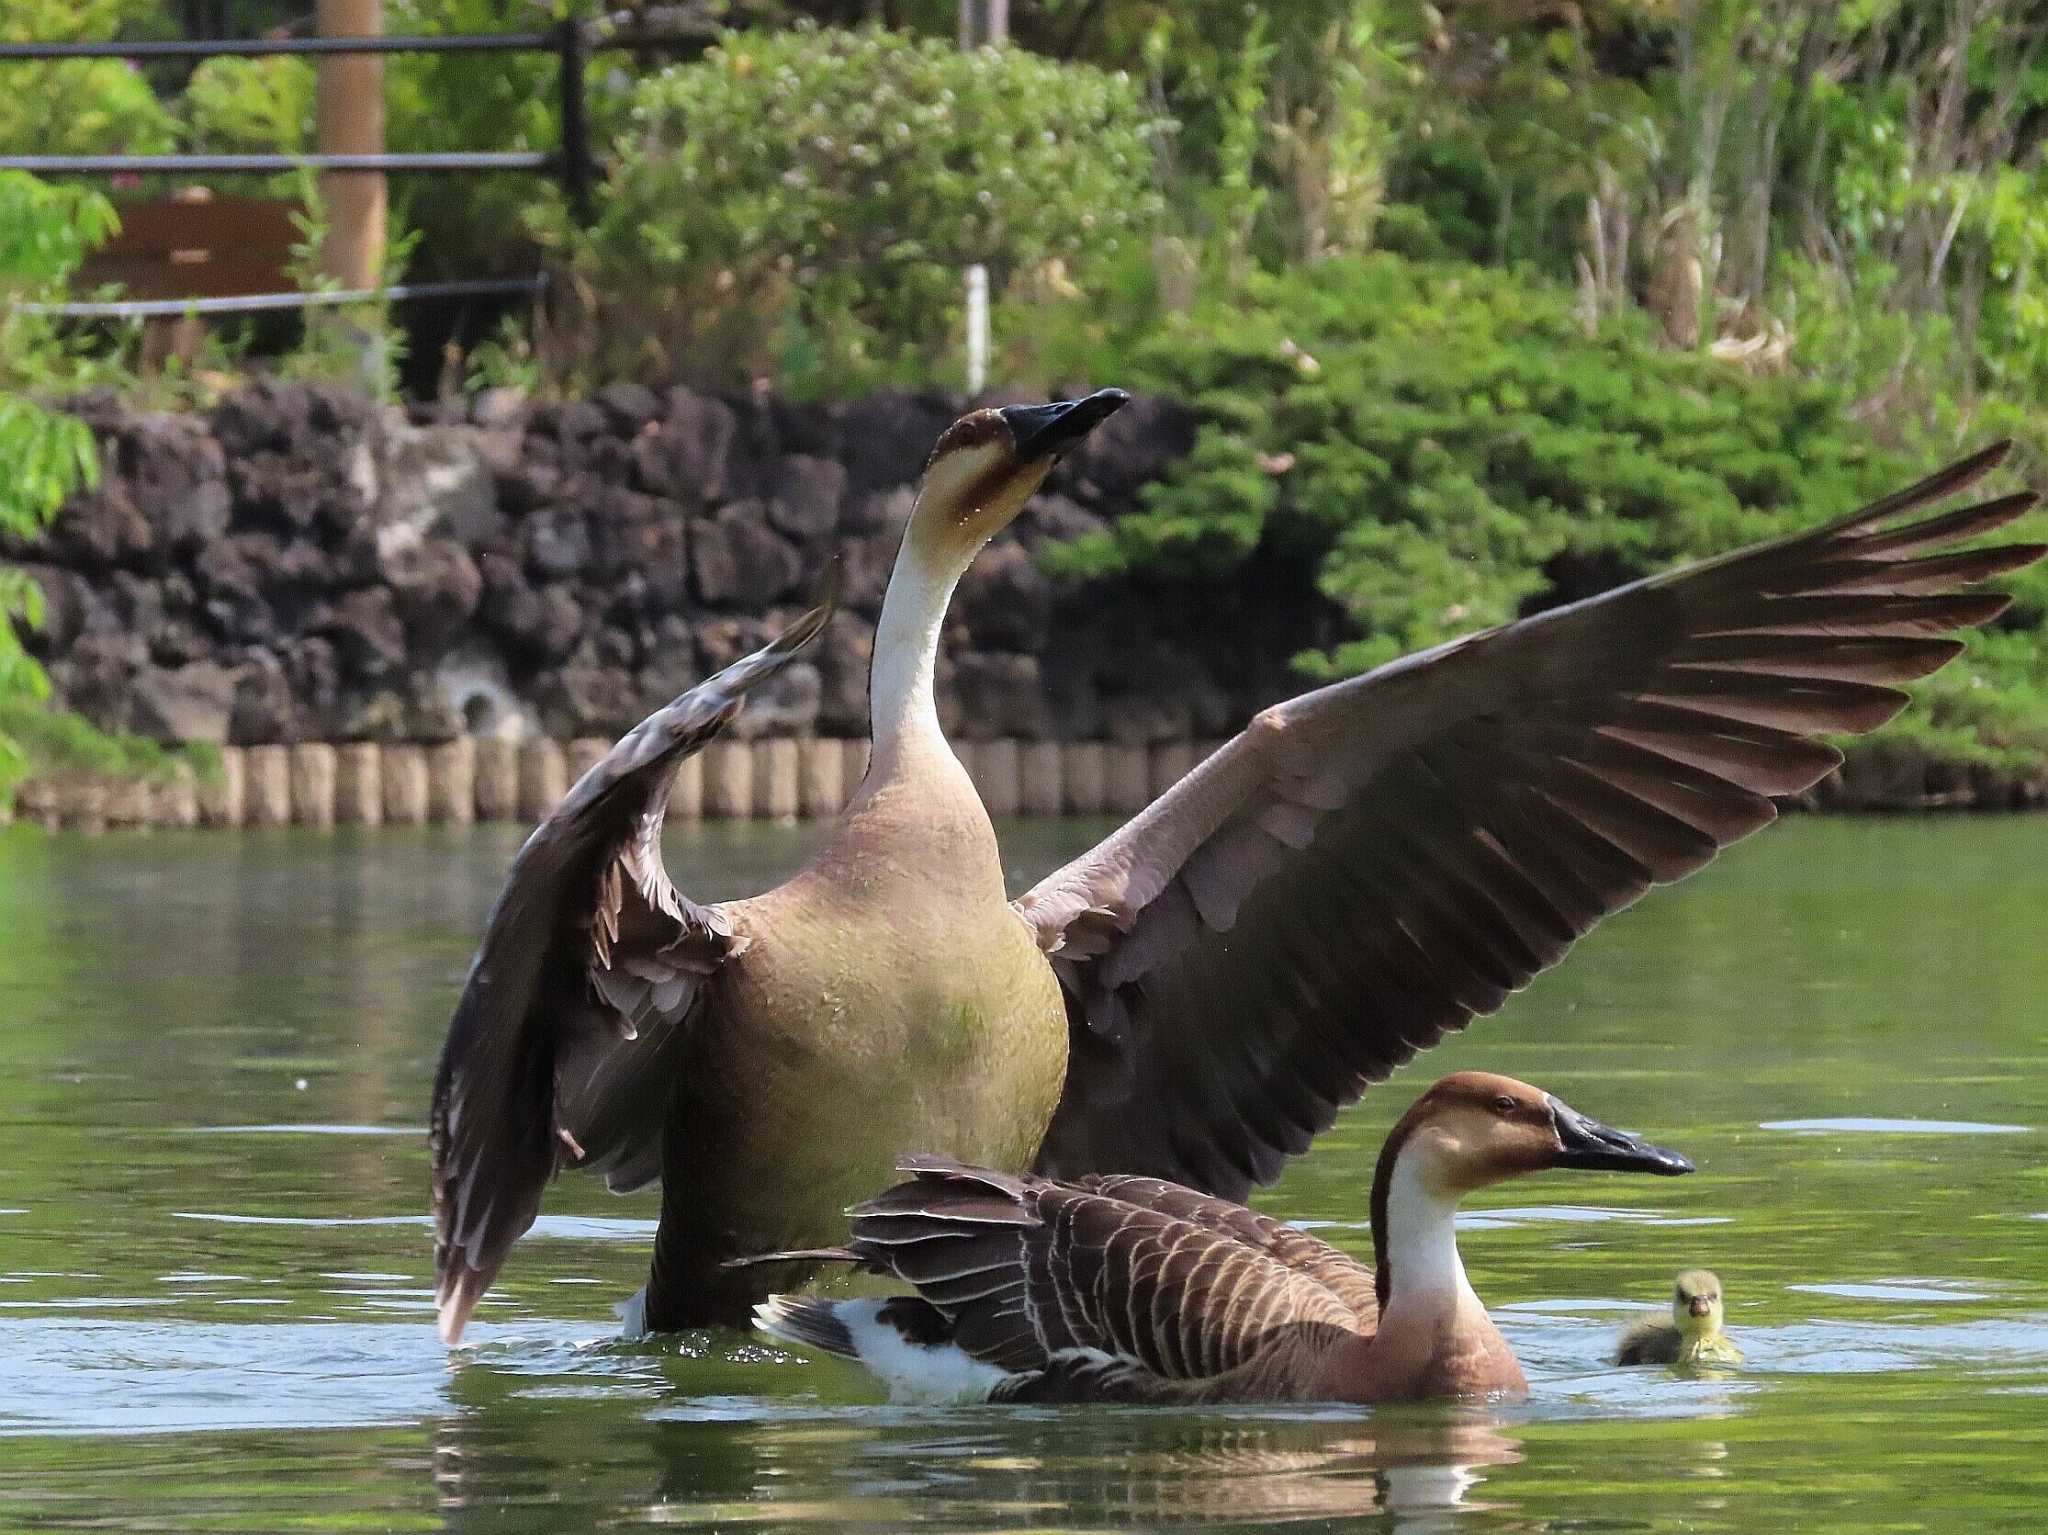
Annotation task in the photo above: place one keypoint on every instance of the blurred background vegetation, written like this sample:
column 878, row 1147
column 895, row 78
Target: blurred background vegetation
column 1486, row 305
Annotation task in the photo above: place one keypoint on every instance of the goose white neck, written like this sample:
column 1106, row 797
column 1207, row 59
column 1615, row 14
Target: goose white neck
column 904, row 713
column 1424, row 1269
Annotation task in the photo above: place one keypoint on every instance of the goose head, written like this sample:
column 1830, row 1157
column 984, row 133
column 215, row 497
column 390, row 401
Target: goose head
column 986, row 465
column 1475, row 1128
column 1470, row 1130
column 1696, row 1304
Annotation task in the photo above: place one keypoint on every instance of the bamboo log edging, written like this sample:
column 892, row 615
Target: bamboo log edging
column 359, row 785
column 784, row 778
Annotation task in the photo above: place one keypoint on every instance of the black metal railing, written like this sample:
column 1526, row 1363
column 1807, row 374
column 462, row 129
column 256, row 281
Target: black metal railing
column 570, row 164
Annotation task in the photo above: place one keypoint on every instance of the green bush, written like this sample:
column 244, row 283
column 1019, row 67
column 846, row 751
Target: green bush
column 817, row 191
column 1449, row 449
column 251, row 106
column 45, row 231
column 80, row 106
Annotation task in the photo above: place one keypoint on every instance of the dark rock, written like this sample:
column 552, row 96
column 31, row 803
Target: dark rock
column 271, row 489
column 567, row 421
column 686, row 460
column 738, row 560
column 888, row 437
column 611, row 647
column 843, row 655
column 1000, row 695
column 555, row 543
column 190, row 703
column 882, row 511
column 436, row 588
column 528, row 486
column 100, row 527
column 614, row 520
column 1049, row 517
column 263, row 712
column 610, row 461
column 562, row 621
column 138, row 604
column 178, row 477
column 661, row 558
column 270, row 415
column 1006, row 599
column 230, row 594
column 867, row 562
column 668, row 662
column 806, row 496
column 583, row 699
column 367, row 634
column 92, row 678
column 627, row 406
column 177, row 642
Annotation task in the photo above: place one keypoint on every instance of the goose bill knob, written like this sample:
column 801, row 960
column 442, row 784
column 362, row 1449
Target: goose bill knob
column 1586, row 1144
column 1047, row 431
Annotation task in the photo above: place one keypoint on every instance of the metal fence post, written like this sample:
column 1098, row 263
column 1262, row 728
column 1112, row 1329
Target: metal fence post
column 575, row 124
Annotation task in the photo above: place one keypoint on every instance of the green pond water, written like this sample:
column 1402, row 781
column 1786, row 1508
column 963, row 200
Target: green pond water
column 215, row 1053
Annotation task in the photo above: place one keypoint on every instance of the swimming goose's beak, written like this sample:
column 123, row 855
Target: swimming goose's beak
column 1047, row 431
column 1592, row 1146
column 1699, row 1305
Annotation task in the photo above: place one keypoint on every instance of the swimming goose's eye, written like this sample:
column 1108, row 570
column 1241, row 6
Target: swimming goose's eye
column 1504, row 1104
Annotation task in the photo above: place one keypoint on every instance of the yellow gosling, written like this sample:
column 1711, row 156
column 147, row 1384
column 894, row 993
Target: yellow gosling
column 1692, row 1336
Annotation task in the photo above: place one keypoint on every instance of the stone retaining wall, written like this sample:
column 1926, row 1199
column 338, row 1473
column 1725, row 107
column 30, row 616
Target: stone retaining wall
column 300, row 565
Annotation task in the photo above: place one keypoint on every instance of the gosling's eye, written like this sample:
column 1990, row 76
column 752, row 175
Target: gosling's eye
column 1503, row 1104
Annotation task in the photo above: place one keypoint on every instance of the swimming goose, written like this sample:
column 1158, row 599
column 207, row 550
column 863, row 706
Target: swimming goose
column 1361, row 870
column 1136, row 1290
column 1692, row 1336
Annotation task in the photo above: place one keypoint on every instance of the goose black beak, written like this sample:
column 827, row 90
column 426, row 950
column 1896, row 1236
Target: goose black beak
column 1046, row 431
column 1594, row 1147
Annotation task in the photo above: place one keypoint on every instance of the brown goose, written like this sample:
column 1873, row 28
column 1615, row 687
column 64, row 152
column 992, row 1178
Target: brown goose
column 1137, row 1290
column 1361, row 870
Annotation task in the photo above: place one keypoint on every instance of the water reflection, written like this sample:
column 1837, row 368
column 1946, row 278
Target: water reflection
column 1078, row 1468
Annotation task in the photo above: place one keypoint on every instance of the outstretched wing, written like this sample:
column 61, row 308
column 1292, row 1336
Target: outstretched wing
column 1370, row 865
column 563, row 1044
column 1030, row 1272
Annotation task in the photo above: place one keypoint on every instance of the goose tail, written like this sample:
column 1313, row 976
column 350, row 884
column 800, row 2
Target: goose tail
column 904, row 1342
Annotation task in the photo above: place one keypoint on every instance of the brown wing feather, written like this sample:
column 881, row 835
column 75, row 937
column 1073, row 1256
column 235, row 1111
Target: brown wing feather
column 562, row 1050
column 1027, row 1270
column 1371, row 865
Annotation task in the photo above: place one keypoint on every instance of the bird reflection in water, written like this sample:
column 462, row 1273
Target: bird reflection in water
column 689, row 1464
column 1201, row 1470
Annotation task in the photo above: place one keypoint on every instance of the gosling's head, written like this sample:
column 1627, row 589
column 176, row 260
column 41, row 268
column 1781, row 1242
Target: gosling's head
column 1696, row 1303
column 1474, row 1128
column 986, row 465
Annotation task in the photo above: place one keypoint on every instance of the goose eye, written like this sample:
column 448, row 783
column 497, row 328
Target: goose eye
column 1504, row 1104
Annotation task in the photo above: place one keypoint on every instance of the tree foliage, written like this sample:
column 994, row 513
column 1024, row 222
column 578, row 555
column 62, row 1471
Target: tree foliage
column 1448, row 448
column 44, row 232
column 822, row 190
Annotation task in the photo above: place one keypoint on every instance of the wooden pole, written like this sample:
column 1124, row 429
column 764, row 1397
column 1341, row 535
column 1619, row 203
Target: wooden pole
column 348, row 114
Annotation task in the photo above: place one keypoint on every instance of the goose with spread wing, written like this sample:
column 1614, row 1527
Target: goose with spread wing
column 1363, row 869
